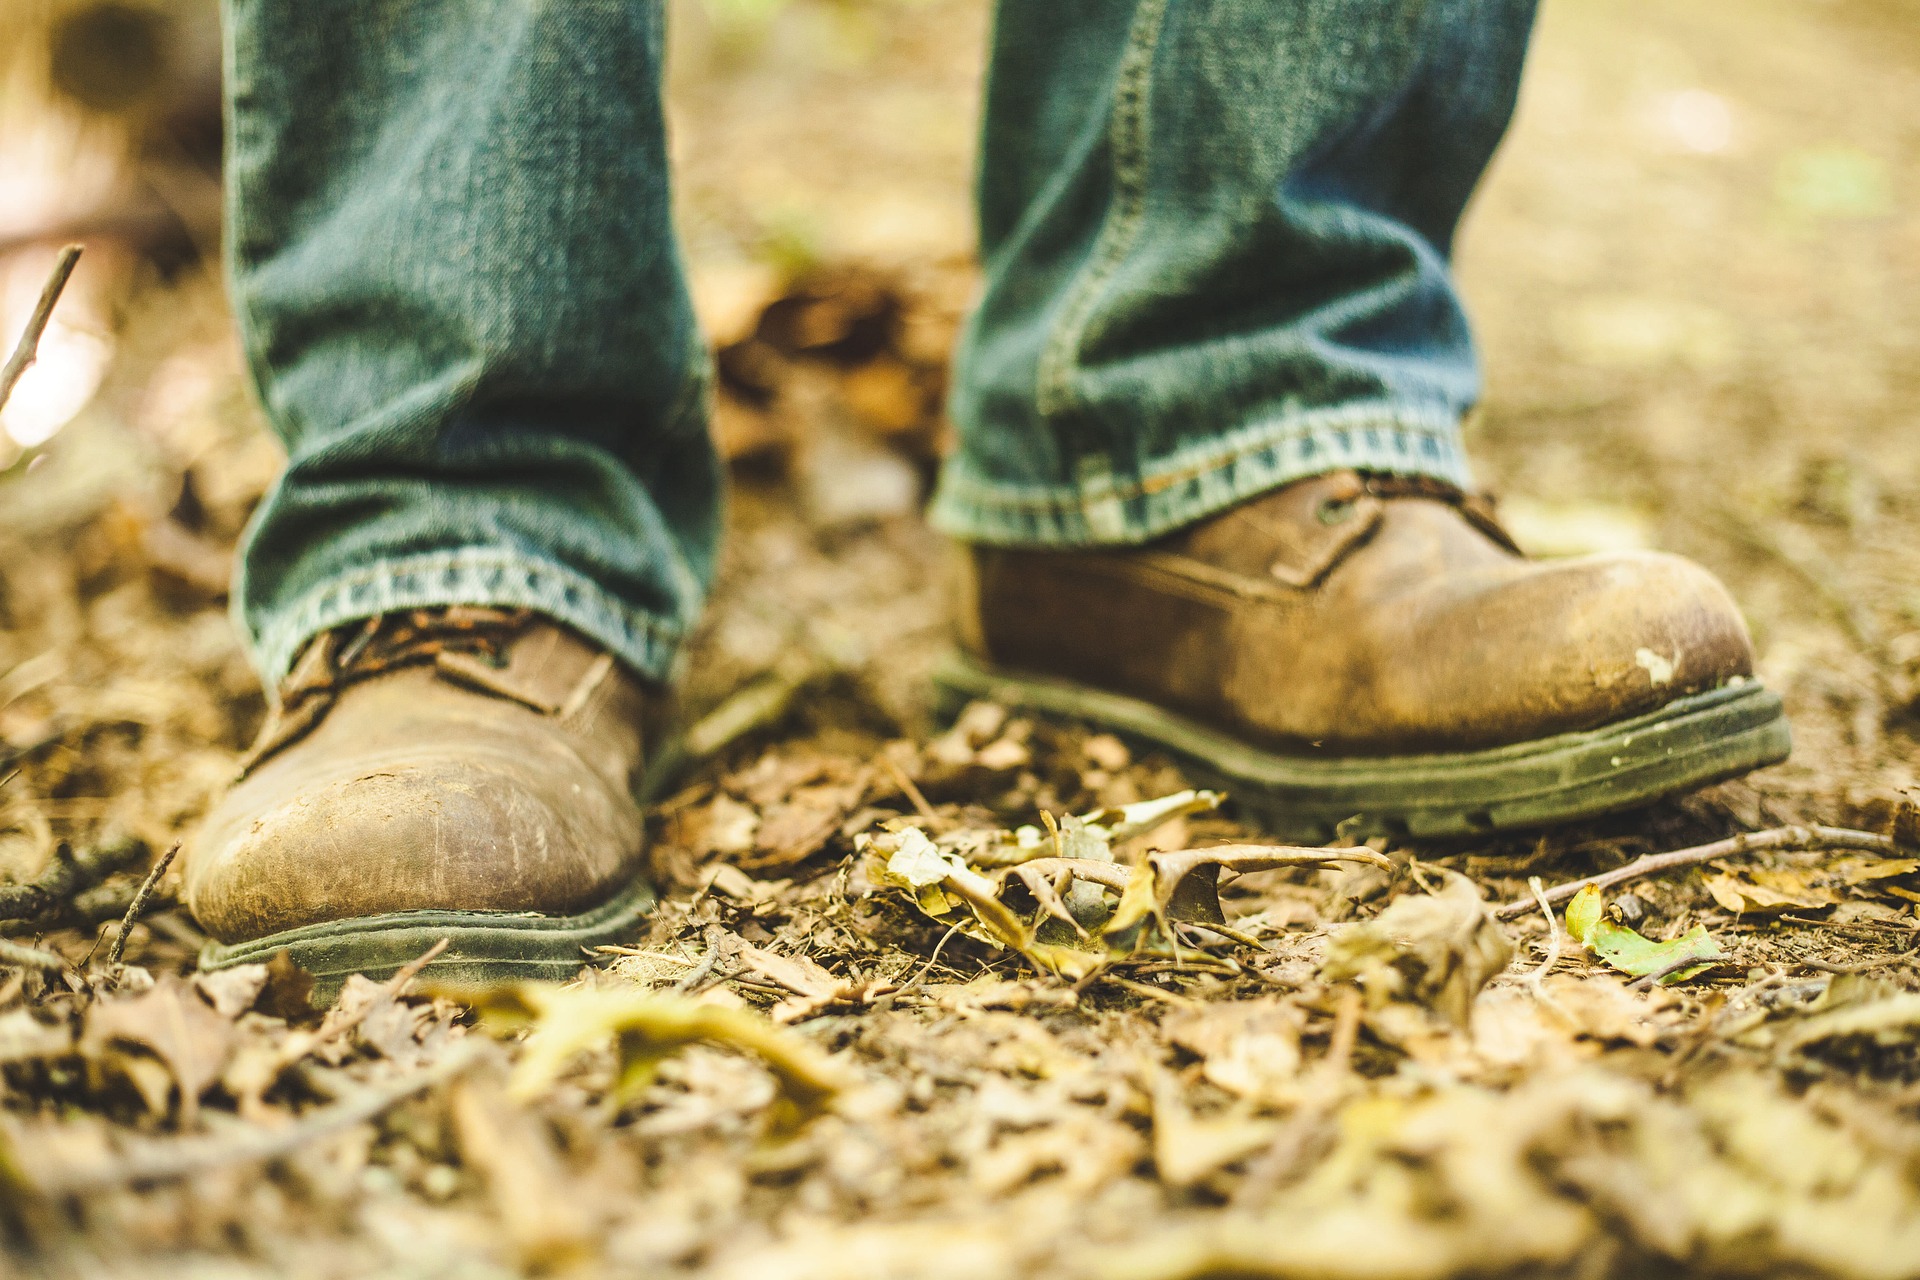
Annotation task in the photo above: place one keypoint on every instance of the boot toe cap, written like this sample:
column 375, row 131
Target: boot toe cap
column 1591, row 641
column 450, row 834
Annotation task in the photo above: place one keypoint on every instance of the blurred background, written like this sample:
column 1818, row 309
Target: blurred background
column 1693, row 270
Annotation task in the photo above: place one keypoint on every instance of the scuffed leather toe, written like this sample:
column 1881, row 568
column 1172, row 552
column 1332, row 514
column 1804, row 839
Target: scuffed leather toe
column 1495, row 656
column 456, row 833
column 442, row 786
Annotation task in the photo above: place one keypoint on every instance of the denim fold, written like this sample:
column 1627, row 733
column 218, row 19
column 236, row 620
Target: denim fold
column 452, row 259
column 1214, row 236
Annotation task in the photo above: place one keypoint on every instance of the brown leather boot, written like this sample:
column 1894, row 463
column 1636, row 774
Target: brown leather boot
column 1374, row 655
column 466, row 774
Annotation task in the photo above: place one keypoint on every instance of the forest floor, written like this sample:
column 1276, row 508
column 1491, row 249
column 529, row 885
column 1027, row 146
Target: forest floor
column 1692, row 269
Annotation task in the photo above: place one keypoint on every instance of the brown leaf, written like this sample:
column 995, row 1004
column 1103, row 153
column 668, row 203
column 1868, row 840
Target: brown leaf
column 1759, row 889
column 722, row 826
column 1867, row 870
column 1187, row 1148
column 232, row 992
column 795, row 830
column 175, row 1025
column 1603, row 1007
column 540, row 1208
column 777, row 775
column 1431, row 950
column 394, row 1029
column 798, row 974
column 1250, row 1048
column 288, row 992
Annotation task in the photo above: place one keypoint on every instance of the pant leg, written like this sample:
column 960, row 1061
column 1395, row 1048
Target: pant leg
column 453, row 264
column 1216, row 239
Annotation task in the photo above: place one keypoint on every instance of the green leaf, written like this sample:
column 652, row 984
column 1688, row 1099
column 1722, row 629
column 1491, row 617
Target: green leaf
column 1630, row 953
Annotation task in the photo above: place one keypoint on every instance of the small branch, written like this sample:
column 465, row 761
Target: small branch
column 1647, row 981
column 716, row 938
column 1847, row 970
column 927, row 968
column 1539, row 975
column 1733, row 846
column 12, row 953
column 1537, row 980
column 182, row 1158
column 907, row 787
column 68, row 876
column 29, row 348
column 139, row 904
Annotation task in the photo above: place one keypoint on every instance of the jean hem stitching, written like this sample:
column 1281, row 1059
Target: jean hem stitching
column 1192, row 484
column 646, row 643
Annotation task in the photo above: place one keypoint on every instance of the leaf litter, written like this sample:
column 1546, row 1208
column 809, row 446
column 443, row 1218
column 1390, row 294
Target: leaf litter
column 1014, row 1000
column 999, row 997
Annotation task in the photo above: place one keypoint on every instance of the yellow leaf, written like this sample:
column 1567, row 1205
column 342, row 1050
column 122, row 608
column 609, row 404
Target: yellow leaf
column 645, row 1028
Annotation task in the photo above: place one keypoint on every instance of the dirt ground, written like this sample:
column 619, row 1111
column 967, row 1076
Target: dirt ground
column 872, row 1030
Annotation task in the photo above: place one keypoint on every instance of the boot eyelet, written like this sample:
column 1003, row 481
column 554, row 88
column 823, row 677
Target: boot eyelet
column 1336, row 510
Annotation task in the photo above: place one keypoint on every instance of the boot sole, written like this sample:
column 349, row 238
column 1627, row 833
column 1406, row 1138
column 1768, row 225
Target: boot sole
column 484, row 948
column 1689, row 743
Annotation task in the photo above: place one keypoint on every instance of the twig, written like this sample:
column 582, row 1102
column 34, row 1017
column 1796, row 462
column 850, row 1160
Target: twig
column 139, row 904
column 1539, row 892
column 1647, row 981
column 1152, row 992
column 300, row 1044
column 29, row 347
column 66, row 877
column 693, row 977
column 907, row 787
column 163, row 1162
column 1344, row 1037
column 1230, row 933
column 392, row 987
column 1733, row 846
column 12, row 953
column 756, row 705
column 1536, row 980
column 1847, row 970
column 927, row 968
column 1872, row 928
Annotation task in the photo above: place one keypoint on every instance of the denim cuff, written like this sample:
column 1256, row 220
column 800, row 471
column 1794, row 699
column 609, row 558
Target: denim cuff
column 1200, row 480
column 474, row 576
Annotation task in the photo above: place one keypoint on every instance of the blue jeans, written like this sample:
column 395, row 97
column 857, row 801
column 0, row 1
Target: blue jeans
column 1215, row 236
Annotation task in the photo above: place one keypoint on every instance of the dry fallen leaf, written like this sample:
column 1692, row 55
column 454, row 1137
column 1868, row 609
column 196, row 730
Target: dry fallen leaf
column 546, row 1219
column 1760, row 890
column 1187, row 1147
column 232, row 992
column 1431, row 950
column 644, row 1029
column 1073, row 930
column 177, row 1027
column 1250, row 1048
